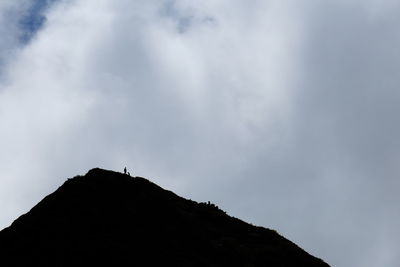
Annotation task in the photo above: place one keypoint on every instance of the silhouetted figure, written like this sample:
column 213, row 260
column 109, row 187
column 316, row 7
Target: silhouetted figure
column 125, row 170
column 129, row 174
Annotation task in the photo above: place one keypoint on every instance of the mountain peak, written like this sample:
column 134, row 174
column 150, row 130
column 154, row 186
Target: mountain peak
column 107, row 217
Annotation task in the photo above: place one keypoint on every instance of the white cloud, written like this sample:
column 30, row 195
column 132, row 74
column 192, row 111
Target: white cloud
column 276, row 110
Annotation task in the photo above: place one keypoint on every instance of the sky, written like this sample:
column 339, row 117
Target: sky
column 284, row 113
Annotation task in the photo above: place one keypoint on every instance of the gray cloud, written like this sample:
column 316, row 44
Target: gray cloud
column 10, row 12
column 282, row 113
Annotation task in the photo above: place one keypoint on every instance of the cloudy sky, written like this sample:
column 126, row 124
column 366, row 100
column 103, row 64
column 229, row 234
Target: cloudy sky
column 285, row 113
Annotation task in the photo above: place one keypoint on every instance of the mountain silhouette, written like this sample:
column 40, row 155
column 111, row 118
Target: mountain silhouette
column 108, row 218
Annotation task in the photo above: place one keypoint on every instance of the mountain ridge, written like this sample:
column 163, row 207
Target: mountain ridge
column 107, row 217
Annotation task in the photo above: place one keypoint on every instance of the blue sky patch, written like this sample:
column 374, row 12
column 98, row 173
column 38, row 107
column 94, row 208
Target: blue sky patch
column 33, row 19
column 184, row 20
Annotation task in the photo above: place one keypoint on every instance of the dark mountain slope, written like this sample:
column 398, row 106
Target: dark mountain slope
column 108, row 218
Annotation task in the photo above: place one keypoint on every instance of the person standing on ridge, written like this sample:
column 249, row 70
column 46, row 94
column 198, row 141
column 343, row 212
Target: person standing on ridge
column 125, row 170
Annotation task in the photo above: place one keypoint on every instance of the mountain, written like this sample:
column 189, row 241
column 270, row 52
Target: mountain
column 109, row 218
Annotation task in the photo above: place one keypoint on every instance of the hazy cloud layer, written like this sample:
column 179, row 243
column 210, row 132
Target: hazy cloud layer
column 284, row 113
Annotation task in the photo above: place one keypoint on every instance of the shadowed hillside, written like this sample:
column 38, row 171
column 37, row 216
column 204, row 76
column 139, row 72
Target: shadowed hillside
column 108, row 218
